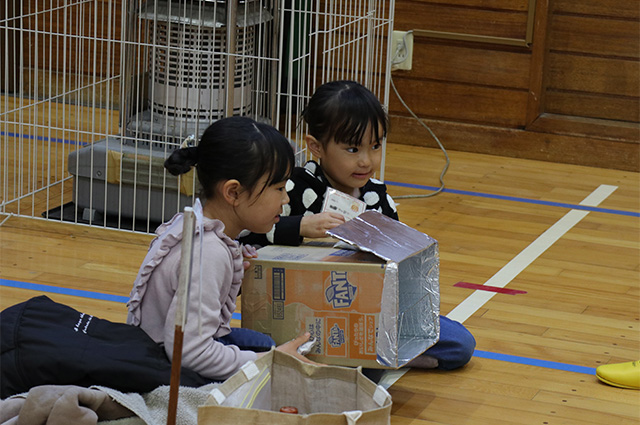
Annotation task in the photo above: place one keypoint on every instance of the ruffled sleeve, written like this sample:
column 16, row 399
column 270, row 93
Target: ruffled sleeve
column 169, row 235
column 235, row 250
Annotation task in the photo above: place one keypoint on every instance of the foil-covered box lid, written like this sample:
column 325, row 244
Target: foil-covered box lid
column 385, row 237
column 410, row 311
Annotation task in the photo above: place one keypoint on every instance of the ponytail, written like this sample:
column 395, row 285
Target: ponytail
column 181, row 160
column 235, row 148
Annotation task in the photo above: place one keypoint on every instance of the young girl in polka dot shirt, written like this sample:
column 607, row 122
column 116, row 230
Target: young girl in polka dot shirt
column 346, row 126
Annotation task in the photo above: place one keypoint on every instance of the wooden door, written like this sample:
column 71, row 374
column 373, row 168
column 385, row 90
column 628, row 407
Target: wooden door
column 555, row 80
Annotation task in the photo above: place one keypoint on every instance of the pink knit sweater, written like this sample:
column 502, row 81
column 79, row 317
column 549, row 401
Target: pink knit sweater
column 212, row 297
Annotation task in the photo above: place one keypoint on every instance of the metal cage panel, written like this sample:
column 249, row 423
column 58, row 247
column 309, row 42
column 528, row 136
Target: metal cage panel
column 96, row 93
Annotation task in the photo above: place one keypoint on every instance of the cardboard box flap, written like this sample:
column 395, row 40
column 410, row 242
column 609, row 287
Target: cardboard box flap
column 385, row 237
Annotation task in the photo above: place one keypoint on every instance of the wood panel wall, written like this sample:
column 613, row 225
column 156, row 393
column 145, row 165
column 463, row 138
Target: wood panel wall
column 73, row 37
column 65, row 51
column 571, row 95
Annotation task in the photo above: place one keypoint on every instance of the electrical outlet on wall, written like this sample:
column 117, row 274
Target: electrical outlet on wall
column 401, row 50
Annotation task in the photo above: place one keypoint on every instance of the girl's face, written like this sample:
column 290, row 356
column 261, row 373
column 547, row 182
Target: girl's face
column 348, row 168
column 259, row 210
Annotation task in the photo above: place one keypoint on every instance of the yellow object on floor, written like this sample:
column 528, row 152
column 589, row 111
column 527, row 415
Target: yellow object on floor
column 623, row 375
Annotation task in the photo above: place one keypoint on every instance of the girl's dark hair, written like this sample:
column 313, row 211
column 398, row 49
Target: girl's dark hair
column 342, row 111
column 235, row 148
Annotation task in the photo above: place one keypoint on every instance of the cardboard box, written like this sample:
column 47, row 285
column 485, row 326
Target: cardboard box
column 377, row 306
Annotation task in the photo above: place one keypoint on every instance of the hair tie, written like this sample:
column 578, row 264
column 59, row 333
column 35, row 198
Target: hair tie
column 190, row 140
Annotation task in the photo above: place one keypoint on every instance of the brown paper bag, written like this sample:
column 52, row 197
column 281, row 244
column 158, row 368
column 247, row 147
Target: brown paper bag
column 331, row 395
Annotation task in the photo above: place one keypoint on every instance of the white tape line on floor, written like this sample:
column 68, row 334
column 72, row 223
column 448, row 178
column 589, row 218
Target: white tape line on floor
column 514, row 267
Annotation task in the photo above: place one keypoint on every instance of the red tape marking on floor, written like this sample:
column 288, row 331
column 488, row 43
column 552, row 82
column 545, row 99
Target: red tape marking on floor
column 489, row 288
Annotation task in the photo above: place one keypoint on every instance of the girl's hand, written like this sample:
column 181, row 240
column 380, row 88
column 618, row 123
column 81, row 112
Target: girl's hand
column 316, row 225
column 248, row 251
column 291, row 348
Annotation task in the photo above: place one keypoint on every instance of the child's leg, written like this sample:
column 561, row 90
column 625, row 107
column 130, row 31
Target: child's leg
column 247, row 339
column 453, row 350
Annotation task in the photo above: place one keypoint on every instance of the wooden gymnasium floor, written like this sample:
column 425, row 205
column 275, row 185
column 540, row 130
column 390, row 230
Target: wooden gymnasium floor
column 562, row 241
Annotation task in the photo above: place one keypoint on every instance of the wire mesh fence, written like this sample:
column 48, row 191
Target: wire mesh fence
column 95, row 94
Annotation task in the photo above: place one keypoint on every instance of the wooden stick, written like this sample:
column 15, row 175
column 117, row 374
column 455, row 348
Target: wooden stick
column 186, row 261
column 176, row 364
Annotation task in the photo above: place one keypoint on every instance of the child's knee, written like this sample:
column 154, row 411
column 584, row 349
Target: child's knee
column 466, row 348
column 460, row 345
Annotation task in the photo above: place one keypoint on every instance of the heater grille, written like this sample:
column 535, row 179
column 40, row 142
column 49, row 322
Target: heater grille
column 188, row 77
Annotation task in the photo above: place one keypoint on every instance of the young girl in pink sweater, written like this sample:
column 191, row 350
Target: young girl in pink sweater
column 242, row 166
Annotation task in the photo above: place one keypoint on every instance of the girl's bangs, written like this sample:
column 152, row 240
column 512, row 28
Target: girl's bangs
column 281, row 165
column 352, row 129
column 277, row 158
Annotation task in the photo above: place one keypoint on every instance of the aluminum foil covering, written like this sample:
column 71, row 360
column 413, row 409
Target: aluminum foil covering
column 409, row 320
column 305, row 348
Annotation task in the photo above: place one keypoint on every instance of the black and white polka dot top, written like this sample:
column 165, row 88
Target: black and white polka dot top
column 306, row 189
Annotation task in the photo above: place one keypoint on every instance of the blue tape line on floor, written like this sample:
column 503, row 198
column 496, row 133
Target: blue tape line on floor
column 73, row 292
column 534, row 362
column 399, row 184
column 42, row 138
column 238, row 316
column 63, row 291
column 516, row 199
